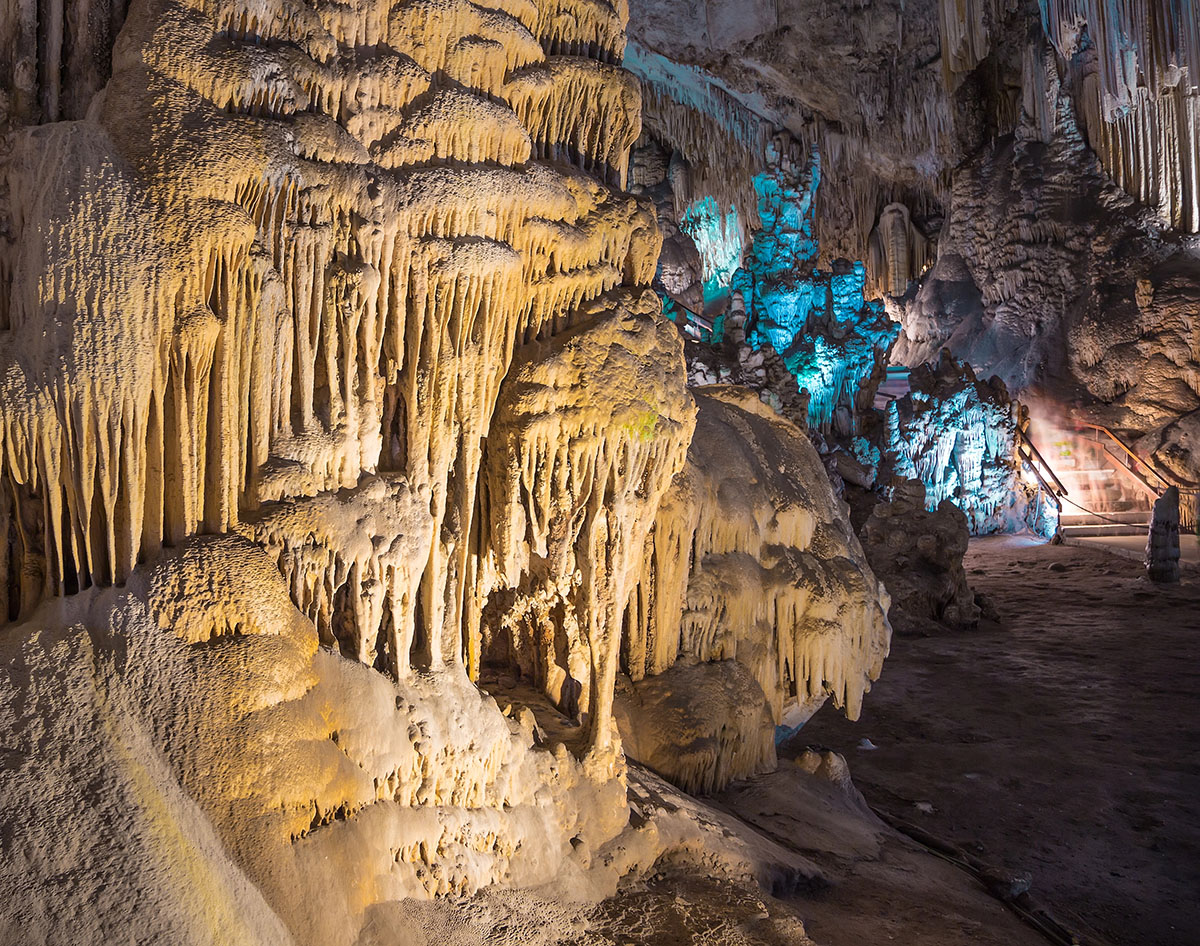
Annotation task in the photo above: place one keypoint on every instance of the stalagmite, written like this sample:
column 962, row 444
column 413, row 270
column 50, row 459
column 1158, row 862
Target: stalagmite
column 1162, row 544
column 828, row 335
column 899, row 251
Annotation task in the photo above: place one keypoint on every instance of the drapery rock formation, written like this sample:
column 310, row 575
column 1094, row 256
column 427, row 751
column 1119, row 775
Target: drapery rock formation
column 317, row 318
column 956, row 435
column 592, row 427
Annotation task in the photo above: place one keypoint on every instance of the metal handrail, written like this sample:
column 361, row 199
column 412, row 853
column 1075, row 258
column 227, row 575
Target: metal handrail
column 1026, row 441
column 704, row 321
column 1166, row 481
column 1033, row 459
column 1049, row 490
column 1189, row 496
column 1130, row 472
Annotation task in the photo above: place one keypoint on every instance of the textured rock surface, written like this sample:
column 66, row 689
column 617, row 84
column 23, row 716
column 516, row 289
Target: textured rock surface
column 700, row 725
column 242, row 784
column 918, row 555
column 328, row 373
column 753, row 543
column 591, row 428
column 957, row 436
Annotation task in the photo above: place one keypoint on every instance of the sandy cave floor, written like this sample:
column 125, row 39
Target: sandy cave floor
column 1062, row 742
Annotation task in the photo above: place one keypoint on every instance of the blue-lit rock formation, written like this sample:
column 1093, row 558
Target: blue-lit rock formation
column 830, row 336
column 719, row 238
column 957, row 436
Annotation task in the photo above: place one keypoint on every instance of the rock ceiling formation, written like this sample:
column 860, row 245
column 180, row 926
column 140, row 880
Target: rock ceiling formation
column 1038, row 161
column 360, row 510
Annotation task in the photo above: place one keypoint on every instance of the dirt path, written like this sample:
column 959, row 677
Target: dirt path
column 1065, row 742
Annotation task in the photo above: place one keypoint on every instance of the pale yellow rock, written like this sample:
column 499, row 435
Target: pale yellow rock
column 328, row 325
column 591, row 428
column 753, row 558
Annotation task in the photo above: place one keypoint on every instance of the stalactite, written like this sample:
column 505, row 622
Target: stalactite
column 578, row 459
column 591, row 28
column 965, row 38
column 1134, row 71
column 1153, row 152
column 725, row 580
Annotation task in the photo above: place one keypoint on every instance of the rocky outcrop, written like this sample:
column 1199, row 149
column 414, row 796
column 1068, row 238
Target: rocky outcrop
column 957, row 435
column 699, row 725
column 918, row 555
column 328, row 374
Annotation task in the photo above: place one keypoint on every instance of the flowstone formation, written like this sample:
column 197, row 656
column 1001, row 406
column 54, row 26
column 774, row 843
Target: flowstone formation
column 592, row 427
column 330, row 378
column 237, row 783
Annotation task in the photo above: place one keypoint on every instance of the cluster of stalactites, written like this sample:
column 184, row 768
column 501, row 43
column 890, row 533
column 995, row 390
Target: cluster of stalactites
column 851, row 199
column 723, row 579
column 590, row 430
column 725, row 146
column 1133, row 68
column 966, row 28
column 54, row 57
column 1140, row 46
column 722, row 142
column 1153, row 152
column 311, row 319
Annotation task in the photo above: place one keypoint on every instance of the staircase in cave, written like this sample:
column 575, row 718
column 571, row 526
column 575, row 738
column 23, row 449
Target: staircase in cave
column 1109, row 489
column 1086, row 524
